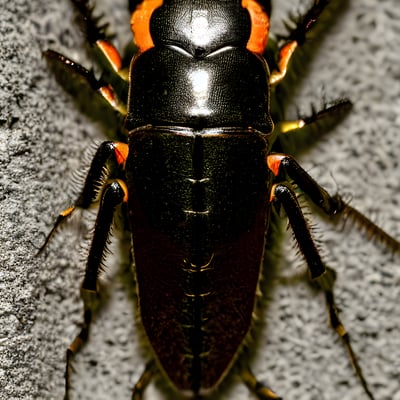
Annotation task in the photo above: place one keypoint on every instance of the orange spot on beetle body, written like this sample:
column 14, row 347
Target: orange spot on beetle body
column 121, row 151
column 140, row 24
column 123, row 186
column 107, row 92
column 259, row 26
column 285, row 55
column 274, row 162
column 66, row 213
column 272, row 194
column 111, row 53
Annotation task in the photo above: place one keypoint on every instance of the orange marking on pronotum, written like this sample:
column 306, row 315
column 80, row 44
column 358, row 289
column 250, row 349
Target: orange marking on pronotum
column 259, row 26
column 140, row 23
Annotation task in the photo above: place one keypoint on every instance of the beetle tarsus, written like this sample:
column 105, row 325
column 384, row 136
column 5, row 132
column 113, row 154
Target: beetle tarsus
column 262, row 391
column 372, row 231
column 62, row 217
column 326, row 284
column 144, row 380
column 77, row 345
column 113, row 195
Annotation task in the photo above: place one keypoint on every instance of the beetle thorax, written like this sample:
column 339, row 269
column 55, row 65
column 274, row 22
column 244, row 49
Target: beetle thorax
column 202, row 26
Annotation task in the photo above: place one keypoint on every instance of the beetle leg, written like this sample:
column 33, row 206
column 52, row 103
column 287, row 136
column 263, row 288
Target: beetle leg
column 262, row 391
column 98, row 85
column 339, row 107
column 296, row 38
column 324, row 281
column 98, row 38
column 144, row 380
column 330, row 205
column 114, row 194
column 109, row 154
column 326, row 284
column 286, row 196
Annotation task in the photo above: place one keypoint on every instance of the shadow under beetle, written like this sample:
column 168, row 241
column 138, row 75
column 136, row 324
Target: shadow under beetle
column 198, row 177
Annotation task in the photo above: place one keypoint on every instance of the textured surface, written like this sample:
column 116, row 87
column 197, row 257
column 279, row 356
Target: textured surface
column 43, row 137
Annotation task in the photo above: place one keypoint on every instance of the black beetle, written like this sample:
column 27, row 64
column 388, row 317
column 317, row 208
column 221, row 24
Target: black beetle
column 198, row 180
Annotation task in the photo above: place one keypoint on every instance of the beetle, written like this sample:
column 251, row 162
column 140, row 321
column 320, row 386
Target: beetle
column 199, row 177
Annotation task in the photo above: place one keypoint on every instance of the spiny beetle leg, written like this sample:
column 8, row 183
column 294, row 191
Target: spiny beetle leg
column 97, row 85
column 285, row 196
column 296, row 38
column 262, row 391
column 62, row 217
column 114, row 194
column 372, row 230
column 331, row 205
column 144, row 380
column 326, row 284
column 81, row 338
column 281, row 164
column 108, row 161
column 339, row 107
column 97, row 37
column 324, row 281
